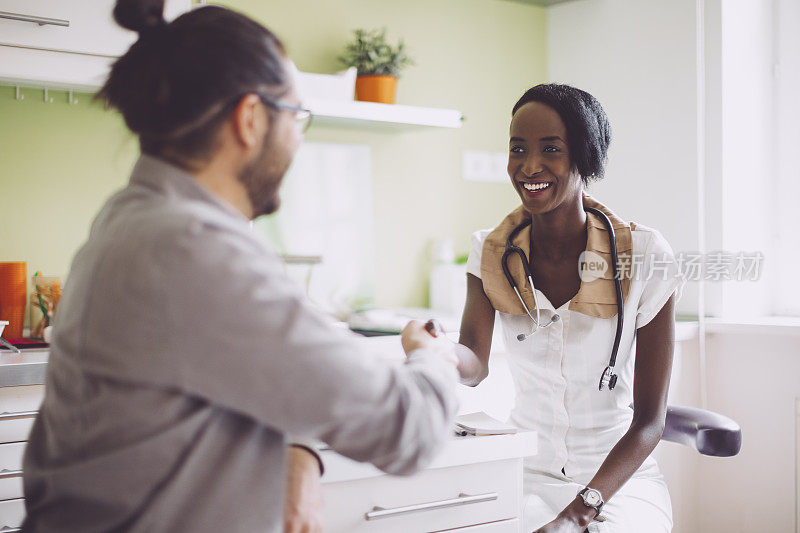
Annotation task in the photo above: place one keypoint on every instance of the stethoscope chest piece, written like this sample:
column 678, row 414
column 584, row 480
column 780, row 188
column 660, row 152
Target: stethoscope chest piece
column 608, row 379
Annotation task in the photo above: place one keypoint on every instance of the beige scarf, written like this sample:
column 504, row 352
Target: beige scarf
column 594, row 298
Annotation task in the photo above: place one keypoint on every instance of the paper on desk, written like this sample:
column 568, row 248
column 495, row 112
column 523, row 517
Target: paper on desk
column 482, row 424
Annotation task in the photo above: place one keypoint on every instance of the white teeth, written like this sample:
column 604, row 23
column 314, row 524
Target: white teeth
column 535, row 186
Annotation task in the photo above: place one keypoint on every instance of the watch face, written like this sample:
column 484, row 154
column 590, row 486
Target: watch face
column 592, row 497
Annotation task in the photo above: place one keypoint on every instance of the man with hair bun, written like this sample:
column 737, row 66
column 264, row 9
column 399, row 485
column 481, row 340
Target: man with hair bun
column 184, row 362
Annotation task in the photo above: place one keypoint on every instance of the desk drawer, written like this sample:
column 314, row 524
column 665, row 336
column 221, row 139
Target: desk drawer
column 432, row 500
column 17, row 405
column 12, row 513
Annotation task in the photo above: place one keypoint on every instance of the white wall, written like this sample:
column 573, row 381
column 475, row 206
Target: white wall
column 638, row 57
column 753, row 378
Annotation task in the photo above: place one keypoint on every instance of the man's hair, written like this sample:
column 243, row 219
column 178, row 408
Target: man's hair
column 588, row 130
column 178, row 81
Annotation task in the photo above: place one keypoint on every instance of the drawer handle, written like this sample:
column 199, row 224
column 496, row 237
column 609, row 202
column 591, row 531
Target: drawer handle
column 10, row 474
column 18, row 416
column 41, row 21
column 463, row 499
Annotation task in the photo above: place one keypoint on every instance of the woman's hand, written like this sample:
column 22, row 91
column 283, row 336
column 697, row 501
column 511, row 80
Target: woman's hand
column 561, row 525
column 573, row 519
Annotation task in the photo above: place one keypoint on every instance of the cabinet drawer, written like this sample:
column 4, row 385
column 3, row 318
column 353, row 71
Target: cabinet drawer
column 17, row 401
column 504, row 526
column 11, row 470
column 12, row 513
column 90, row 30
column 432, row 500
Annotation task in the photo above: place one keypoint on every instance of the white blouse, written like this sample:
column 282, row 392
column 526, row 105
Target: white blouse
column 557, row 370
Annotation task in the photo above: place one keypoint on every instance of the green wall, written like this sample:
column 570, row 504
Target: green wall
column 58, row 162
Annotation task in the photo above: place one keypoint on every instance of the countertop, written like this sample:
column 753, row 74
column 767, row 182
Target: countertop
column 458, row 451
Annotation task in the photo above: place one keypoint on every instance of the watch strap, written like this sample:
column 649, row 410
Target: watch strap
column 597, row 508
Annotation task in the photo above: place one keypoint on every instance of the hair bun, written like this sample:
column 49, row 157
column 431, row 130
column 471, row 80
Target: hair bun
column 139, row 15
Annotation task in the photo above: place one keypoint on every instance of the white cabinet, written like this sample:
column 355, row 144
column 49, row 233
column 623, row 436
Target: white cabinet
column 475, row 484
column 56, row 43
column 18, row 406
column 433, row 500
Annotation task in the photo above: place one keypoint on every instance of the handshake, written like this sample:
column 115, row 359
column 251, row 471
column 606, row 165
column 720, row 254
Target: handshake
column 430, row 335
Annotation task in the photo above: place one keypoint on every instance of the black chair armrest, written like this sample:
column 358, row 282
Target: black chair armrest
column 707, row 432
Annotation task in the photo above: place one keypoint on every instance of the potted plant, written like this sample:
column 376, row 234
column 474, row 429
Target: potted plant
column 378, row 64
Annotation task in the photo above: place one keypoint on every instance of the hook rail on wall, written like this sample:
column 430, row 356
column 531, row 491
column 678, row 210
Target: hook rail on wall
column 72, row 97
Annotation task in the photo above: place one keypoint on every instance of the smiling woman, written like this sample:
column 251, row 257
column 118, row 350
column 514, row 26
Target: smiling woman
column 592, row 471
column 583, row 121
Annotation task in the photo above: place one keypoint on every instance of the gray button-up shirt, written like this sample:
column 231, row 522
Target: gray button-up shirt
column 182, row 359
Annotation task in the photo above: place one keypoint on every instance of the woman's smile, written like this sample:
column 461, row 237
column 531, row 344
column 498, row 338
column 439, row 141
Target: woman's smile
column 536, row 189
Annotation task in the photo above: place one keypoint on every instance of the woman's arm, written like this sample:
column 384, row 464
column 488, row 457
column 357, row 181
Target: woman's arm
column 655, row 343
column 475, row 340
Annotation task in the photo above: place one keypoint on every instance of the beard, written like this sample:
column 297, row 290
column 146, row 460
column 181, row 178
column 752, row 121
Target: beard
column 262, row 178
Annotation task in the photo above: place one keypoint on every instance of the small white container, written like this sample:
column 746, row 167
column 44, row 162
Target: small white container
column 340, row 87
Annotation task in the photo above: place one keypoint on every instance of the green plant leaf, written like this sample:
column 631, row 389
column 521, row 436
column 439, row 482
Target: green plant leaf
column 371, row 54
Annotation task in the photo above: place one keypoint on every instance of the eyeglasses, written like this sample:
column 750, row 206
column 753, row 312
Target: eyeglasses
column 302, row 115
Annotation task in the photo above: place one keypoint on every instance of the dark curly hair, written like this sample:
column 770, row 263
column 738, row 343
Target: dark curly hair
column 588, row 130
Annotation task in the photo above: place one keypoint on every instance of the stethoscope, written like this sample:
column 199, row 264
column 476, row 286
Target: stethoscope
column 608, row 378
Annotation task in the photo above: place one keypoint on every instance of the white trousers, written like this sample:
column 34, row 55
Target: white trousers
column 642, row 505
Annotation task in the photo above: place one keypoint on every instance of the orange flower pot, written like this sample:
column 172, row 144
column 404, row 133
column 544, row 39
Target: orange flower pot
column 377, row 88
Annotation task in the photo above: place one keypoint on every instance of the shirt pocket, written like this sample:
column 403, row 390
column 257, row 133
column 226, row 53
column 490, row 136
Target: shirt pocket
column 531, row 360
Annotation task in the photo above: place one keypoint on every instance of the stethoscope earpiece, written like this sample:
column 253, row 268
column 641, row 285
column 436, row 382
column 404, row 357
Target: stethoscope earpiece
column 522, row 336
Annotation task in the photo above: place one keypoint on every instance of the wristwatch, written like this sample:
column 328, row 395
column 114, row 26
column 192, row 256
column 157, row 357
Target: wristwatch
column 592, row 498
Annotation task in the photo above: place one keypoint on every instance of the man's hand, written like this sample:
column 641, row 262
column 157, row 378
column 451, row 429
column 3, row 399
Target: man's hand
column 303, row 506
column 418, row 334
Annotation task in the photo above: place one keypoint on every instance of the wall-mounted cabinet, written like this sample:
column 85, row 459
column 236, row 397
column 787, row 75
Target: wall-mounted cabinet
column 66, row 45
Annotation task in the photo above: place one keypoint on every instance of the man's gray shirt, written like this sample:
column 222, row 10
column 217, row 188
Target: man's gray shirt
column 183, row 358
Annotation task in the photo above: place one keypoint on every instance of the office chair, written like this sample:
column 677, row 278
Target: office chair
column 707, row 432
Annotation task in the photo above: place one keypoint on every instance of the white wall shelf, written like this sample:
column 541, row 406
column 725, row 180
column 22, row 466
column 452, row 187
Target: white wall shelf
column 370, row 115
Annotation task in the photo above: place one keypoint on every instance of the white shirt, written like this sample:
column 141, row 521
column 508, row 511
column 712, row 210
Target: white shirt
column 557, row 370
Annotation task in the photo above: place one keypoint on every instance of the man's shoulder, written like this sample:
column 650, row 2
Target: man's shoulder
column 136, row 231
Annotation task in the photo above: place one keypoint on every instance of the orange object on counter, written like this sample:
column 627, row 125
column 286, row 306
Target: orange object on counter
column 13, row 297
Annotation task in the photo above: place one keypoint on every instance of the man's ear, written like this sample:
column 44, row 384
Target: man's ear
column 250, row 121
